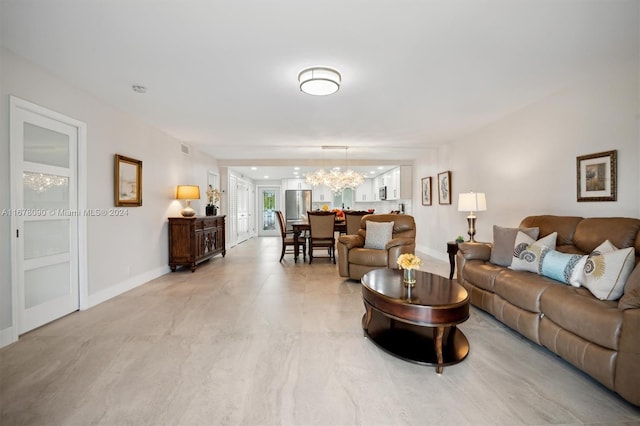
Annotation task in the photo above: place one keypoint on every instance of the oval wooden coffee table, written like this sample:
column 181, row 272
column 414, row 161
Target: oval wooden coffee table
column 417, row 323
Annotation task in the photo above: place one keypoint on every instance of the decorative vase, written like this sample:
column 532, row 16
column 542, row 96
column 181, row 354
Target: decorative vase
column 409, row 277
column 210, row 210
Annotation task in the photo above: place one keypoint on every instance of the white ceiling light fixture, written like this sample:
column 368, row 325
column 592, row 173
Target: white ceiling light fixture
column 319, row 81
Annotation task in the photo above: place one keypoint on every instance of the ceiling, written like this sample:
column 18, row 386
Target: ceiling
column 221, row 75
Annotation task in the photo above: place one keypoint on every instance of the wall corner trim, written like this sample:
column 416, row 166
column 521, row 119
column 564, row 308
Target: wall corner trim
column 7, row 337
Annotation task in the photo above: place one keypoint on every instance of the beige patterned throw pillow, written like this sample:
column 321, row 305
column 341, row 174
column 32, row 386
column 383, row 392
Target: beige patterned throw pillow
column 527, row 251
column 607, row 270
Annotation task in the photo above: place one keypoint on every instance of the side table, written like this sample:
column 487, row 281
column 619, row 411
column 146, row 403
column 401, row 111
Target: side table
column 452, row 249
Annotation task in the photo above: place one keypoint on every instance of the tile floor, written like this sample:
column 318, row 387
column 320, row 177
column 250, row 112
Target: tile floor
column 248, row 340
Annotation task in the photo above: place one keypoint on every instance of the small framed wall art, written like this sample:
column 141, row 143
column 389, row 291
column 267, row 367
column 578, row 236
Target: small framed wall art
column 596, row 176
column 426, row 191
column 444, row 187
column 127, row 182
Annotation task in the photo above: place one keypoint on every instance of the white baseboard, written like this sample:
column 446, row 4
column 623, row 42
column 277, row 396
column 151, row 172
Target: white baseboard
column 124, row 286
column 7, row 337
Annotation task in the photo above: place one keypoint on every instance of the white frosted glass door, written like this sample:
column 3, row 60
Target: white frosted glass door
column 46, row 218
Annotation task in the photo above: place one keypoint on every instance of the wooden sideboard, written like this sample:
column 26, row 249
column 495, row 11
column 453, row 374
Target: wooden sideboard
column 195, row 239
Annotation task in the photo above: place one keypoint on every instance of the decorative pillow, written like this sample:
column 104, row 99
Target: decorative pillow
column 607, row 269
column 527, row 251
column 378, row 234
column 503, row 241
column 563, row 267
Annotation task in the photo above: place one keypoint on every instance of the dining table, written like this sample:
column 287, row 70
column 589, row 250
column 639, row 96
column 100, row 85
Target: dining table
column 302, row 225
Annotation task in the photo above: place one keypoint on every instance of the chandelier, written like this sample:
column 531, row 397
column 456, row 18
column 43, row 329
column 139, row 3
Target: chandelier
column 335, row 179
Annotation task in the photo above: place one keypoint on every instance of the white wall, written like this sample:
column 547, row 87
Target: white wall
column 123, row 252
column 526, row 162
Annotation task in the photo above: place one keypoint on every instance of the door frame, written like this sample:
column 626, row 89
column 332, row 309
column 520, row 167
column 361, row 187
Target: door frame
column 16, row 103
column 260, row 212
column 248, row 199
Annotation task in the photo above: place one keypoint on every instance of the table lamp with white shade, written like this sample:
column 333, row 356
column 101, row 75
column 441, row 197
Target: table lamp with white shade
column 188, row 192
column 472, row 202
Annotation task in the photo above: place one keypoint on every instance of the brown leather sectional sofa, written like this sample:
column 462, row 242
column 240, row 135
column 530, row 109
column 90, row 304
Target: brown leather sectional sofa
column 600, row 337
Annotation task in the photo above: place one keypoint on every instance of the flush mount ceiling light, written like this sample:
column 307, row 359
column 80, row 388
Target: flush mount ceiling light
column 319, row 81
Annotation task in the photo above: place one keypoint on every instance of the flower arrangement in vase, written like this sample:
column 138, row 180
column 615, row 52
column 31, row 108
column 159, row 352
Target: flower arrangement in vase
column 409, row 262
column 213, row 196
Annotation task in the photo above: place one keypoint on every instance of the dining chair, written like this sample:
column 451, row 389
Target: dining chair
column 352, row 219
column 321, row 233
column 288, row 239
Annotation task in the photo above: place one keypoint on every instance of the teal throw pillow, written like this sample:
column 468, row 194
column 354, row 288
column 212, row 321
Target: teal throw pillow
column 563, row 267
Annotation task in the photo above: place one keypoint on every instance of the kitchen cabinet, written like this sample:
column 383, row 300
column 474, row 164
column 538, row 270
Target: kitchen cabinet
column 322, row 194
column 398, row 182
column 375, row 189
column 296, row 184
column 393, row 184
column 364, row 192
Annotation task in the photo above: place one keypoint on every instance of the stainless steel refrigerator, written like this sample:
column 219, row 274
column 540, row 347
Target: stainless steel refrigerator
column 297, row 204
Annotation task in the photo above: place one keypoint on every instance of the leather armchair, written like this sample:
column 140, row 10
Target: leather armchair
column 354, row 260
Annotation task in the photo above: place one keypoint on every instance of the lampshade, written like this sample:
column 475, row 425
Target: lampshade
column 472, row 202
column 319, row 81
column 188, row 192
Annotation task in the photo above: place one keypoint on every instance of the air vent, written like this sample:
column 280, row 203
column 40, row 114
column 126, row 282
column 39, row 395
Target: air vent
column 184, row 148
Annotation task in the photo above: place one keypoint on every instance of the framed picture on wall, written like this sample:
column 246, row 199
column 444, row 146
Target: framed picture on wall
column 444, row 187
column 127, row 182
column 426, row 191
column 596, row 176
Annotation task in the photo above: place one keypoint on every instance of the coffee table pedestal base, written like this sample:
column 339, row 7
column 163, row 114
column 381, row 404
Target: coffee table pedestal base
column 416, row 343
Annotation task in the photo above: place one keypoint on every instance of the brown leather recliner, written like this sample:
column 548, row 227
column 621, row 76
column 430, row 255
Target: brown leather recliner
column 354, row 260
